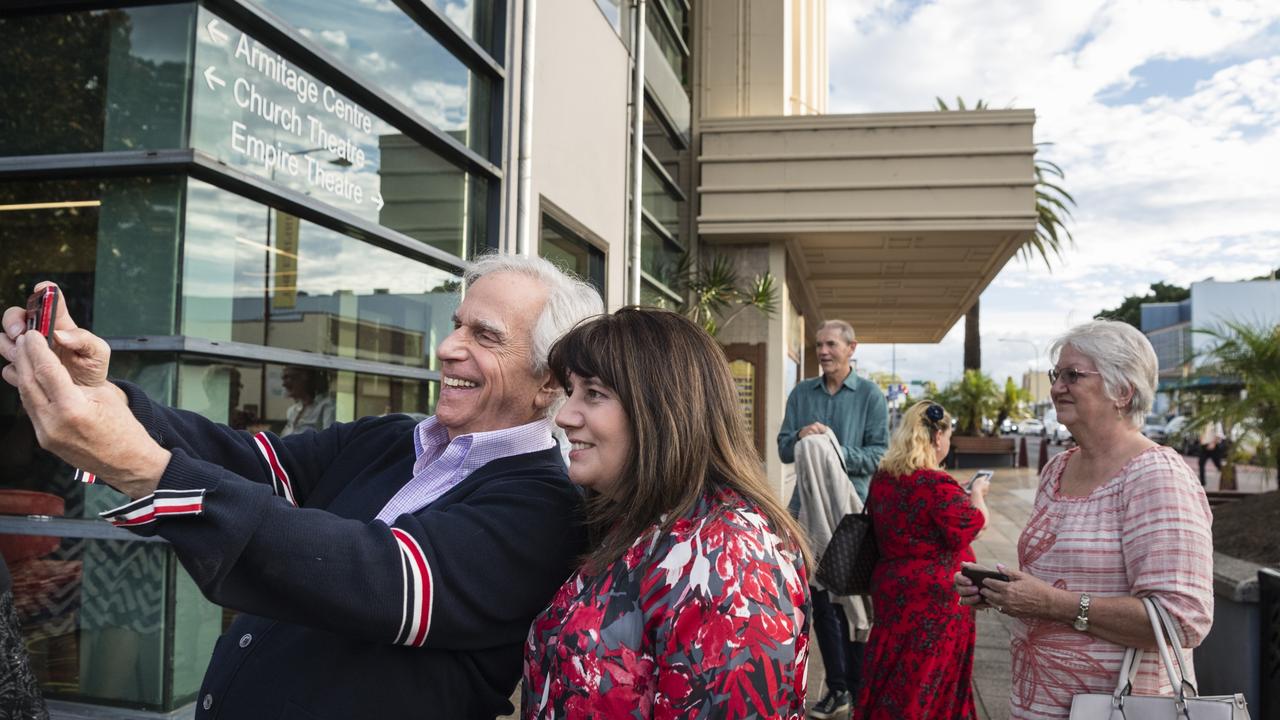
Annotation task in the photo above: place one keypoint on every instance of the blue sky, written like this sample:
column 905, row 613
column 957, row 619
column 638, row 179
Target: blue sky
column 1164, row 114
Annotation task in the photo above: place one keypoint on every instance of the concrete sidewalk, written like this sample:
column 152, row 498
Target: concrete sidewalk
column 1010, row 500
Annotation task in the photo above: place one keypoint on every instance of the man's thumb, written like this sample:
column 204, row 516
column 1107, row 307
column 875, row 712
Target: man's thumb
column 81, row 342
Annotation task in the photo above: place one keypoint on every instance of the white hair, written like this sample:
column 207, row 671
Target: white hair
column 1125, row 360
column 846, row 330
column 569, row 299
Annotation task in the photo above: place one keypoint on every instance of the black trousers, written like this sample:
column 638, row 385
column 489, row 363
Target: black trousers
column 841, row 657
column 1217, row 455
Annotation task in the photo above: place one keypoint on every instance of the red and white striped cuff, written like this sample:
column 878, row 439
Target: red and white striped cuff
column 416, row 602
column 85, row 477
column 161, row 503
column 279, row 478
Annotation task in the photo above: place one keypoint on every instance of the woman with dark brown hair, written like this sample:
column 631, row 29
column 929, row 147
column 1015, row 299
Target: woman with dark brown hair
column 694, row 599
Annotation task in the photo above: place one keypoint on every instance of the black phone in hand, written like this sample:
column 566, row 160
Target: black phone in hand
column 981, row 575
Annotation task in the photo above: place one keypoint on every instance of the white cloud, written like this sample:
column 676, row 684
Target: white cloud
column 1177, row 186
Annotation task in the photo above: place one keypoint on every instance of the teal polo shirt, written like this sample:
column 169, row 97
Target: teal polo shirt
column 858, row 415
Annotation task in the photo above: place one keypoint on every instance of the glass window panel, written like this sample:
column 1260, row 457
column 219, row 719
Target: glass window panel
column 660, row 200
column 256, row 275
column 658, row 255
column 259, row 113
column 613, row 12
column 111, row 245
column 397, row 54
column 117, row 81
column 670, row 48
column 651, row 296
column 29, row 469
column 92, row 613
column 473, row 17
column 658, row 142
column 572, row 253
column 291, row 399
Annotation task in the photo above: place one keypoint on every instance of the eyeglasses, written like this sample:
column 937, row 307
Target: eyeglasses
column 1070, row 375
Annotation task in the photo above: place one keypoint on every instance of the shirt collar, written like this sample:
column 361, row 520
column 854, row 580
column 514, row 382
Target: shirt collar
column 850, row 381
column 431, row 437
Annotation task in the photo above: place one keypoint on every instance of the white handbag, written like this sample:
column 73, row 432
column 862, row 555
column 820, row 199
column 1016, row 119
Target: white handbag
column 1184, row 705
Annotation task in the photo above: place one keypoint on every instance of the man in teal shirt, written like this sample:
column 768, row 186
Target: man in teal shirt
column 854, row 410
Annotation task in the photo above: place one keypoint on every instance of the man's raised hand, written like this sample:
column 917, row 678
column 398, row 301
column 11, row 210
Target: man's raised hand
column 85, row 355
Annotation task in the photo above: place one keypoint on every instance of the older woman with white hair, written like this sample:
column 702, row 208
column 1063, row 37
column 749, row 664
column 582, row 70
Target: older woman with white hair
column 1115, row 520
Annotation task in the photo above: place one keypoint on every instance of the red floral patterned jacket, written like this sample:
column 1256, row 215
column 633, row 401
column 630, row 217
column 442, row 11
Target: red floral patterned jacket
column 709, row 619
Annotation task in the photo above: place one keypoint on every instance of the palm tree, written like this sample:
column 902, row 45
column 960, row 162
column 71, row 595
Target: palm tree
column 1053, row 209
column 971, row 399
column 715, row 297
column 1249, row 357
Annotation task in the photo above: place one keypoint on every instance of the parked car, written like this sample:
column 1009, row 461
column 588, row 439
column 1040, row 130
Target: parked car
column 1008, row 427
column 1031, row 426
column 1178, row 437
column 1154, row 428
column 1060, row 434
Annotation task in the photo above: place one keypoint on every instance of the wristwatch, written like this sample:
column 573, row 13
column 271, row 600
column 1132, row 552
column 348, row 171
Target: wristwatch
column 1082, row 617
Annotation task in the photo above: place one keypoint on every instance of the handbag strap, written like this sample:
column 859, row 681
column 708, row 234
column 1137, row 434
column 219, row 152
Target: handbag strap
column 1128, row 673
column 1164, row 627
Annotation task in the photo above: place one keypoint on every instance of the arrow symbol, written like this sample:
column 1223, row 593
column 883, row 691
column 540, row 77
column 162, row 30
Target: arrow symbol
column 377, row 200
column 215, row 34
column 210, row 78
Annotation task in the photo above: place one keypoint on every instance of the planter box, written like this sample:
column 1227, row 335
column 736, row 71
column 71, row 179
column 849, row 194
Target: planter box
column 1230, row 658
column 982, row 451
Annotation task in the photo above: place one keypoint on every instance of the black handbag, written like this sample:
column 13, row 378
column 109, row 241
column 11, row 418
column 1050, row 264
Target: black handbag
column 849, row 559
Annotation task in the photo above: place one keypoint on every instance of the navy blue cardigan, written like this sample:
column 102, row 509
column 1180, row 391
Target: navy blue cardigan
column 345, row 617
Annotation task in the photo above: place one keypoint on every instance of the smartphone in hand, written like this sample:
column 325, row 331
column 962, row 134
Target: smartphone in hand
column 968, row 487
column 979, row 575
column 42, row 312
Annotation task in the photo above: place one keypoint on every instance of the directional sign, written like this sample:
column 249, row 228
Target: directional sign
column 256, row 111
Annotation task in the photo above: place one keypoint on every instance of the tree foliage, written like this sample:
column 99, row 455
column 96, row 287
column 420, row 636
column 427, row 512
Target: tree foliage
column 1248, row 355
column 970, row 400
column 1130, row 310
column 716, row 296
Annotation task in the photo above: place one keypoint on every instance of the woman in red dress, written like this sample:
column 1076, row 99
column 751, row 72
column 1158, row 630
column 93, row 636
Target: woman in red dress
column 920, row 655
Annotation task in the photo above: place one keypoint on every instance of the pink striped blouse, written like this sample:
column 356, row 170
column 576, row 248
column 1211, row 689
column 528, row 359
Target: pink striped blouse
column 1146, row 532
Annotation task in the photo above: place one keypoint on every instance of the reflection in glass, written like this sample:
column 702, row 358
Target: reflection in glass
column 261, row 397
column 670, row 48
column 651, row 296
column 660, row 200
column 395, row 53
column 658, row 255
column 94, row 80
column 572, row 253
column 91, row 611
column 316, row 141
column 111, row 245
column 256, row 275
column 659, row 142
column 473, row 17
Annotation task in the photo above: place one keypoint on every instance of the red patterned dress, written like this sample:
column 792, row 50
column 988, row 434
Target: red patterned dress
column 920, row 655
column 710, row 619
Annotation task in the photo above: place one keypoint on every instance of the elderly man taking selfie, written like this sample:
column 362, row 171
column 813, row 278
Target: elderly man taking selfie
column 384, row 567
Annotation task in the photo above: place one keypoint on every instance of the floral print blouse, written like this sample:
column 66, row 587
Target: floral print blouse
column 709, row 619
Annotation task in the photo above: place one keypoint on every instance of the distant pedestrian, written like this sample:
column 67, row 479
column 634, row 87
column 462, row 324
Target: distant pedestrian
column 1115, row 520
column 854, row 410
column 919, row 661
column 1212, row 446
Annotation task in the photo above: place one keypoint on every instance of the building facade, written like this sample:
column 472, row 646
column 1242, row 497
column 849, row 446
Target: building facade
column 1181, row 331
column 266, row 207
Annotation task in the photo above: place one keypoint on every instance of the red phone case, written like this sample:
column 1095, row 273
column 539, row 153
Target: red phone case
column 42, row 309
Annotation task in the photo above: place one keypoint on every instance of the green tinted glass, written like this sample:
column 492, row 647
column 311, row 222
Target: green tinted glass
column 256, row 275
column 117, row 80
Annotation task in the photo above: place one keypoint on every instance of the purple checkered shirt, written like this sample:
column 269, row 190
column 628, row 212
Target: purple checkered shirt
column 442, row 464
